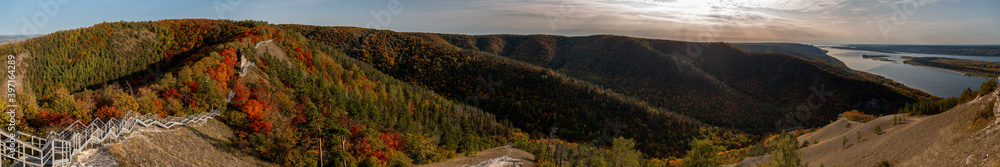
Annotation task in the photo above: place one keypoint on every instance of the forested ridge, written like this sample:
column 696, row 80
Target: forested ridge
column 808, row 52
column 378, row 97
column 719, row 83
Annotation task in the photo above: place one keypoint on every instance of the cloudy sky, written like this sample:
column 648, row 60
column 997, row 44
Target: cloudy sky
column 806, row 21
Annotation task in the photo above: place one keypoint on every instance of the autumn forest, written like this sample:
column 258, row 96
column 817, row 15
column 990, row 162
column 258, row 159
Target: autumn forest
column 384, row 98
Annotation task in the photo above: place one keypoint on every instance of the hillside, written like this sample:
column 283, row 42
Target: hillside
column 965, row 135
column 535, row 99
column 203, row 144
column 720, row 82
column 384, row 98
column 279, row 111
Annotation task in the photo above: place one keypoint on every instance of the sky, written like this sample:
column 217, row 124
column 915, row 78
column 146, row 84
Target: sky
column 802, row 21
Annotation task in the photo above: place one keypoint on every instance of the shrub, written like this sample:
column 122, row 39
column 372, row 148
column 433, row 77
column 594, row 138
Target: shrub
column 877, row 130
column 843, row 144
column 987, row 87
column 703, row 153
column 787, row 154
column 987, row 112
column 858, row 116
column 896, row 120
column 623, row 153
column 884, row 163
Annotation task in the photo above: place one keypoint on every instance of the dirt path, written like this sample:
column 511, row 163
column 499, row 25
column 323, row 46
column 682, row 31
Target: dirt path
column 497, row 152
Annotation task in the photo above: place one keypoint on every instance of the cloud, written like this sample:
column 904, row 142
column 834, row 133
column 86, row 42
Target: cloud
column 689, row 20
column 785, row 5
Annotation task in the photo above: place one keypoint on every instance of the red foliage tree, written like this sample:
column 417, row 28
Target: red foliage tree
column 241, row 94
column 171, row 93
column 53, row 118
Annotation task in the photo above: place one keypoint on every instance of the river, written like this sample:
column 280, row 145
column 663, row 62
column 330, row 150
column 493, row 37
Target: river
column 934, row 81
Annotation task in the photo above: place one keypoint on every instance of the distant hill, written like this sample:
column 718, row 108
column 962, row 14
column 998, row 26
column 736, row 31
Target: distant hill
column 4, row 39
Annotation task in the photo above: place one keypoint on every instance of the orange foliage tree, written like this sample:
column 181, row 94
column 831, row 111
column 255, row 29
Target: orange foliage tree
column 255, row 113
column 107, row 112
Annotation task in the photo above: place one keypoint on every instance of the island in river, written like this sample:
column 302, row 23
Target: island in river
column 878, row 58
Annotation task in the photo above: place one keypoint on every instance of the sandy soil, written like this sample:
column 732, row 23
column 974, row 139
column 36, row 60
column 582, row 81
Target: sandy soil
column 200, row 144
column 95, row 157
column 947, row 139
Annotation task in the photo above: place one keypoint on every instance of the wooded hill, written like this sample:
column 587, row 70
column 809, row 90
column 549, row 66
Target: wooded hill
column 400, row 98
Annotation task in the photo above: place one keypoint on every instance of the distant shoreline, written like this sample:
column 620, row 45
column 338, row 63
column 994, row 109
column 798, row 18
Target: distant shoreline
column 863, row 49
column 962, row 66
column 957, row 50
